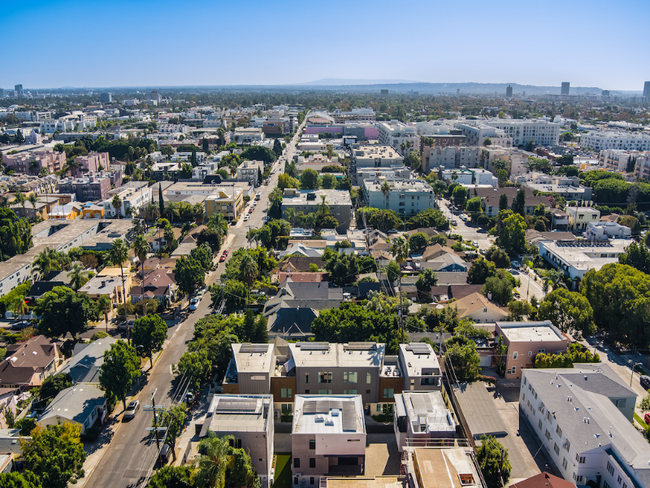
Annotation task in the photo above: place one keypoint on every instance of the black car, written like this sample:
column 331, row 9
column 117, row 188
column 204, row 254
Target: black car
column 645, row 381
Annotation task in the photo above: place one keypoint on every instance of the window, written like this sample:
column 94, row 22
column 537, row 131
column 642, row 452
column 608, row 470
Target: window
column 556, row 448
column 567, row 445
column 466, row 479
column 258, row 378
column 350, row 377
column 541, row 351
column 579, row 479
column 389, row 393
column 312, row 462
column 296, row 462
column 368, row 378
column 306, row 392
column 514, row 369
column 285, row 393
column 349, row 392
column 306, row 378
column 540, row 424
column 610, row 468
column 428, row 381
column 312, row 444
column 558, row 431
column 530, row 353
column 367, row 392
column 619, row 480
column 311, row 480
column 605, row 485
column 564, row 463
column 324, row 377
column 547, row 434
column 324, row 392
column 580, row 459
column 515, row 355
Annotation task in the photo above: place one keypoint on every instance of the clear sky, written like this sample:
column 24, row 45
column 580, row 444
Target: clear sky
column 92, row 43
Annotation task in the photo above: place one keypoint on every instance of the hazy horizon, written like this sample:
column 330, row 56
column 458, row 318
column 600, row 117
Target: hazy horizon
column 69, row 43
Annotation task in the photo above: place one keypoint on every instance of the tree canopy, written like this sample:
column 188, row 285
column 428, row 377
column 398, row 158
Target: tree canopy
column 120, row 370
column 569, row 311
column 64, row 311
column 493, row 460
column 148, row 335
column 462, row 359
column 15, row 234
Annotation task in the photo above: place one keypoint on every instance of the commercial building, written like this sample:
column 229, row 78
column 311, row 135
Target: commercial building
column 566, row 86
column 404, row 197
column 32, row 162
column 509, row 91
column 94, row 187
column 525, row 340
column 420, row 417
column 522, row 131
column 249, row 419
column 580, row 217
column 106, row 97
column 307, row 201
column 646, row 90
column 575, row 258
column 582, row 416
column 328, row 438
column 630, row 141
column 354, row 115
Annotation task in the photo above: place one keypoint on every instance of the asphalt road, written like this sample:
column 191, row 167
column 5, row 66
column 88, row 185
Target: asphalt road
column 132, row 451
column 461, row 228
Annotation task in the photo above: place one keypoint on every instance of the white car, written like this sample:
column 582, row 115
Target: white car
column 194, row 304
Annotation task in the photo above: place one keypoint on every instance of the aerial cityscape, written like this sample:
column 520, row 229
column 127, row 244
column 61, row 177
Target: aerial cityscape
column 323, row 261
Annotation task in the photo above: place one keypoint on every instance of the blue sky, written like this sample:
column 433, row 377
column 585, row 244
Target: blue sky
column 90, row 43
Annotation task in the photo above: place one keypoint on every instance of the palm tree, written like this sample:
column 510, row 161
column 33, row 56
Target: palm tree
column 219, row 223
column 141, row 249
column 33, row 199
column 117, row 204
column 385, row 190
column 290, row 214
column 400, row 249
column 172, row 210
column 3, row 201
column 104, row 304
column 215, row 461
column 43, row 263
column 323, row 207
column 553, row 278
column 117, row 254
column 20, row 307
column 248, row 270
column 77, row 276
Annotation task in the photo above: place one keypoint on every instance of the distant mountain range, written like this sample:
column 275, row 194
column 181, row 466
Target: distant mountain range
column 344, row 82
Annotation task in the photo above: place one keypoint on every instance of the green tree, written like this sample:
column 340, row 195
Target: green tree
column 503, row 202
column 499, row 289
column 328, row 181
column 459, row 195
column 77, row 276
column 498, row 257
column 116, row 202
column 637, row 256
column 287, row 181
column 211, row 237
column 518, row 310
column 277, row 147
column 418, row 241
column 15, row 234
column 414, row 160
column 519, row 202
column 234, row 292
column 513, row 236
column 63, row 311
column 173, row 419
column 480, row 271
column 53, row 385
column 569, row 311
column 26, row 479
column 259, row 153
column 148, row 335
column 118, row 254
column 309, row 179
column 644, row 406
column 161, row 201
column 172, row 477
column 399, row 248
column 461, row 359
column 493, row 460
column 55, row 454
column 425, row 281
column 120, row 370
column 473, row 204
column 189, row 274
column 141, row 248
column 196, row 366
column 393, row 271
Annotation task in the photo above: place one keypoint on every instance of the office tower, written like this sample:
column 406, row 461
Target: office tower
column 565, row 87
column 19, row 90
column 646, row 90
column 509, row 92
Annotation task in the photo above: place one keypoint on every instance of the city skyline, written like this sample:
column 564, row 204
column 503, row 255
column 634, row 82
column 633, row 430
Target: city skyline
column 158, row 44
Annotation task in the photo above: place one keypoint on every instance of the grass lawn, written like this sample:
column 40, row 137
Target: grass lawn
column 282, row 470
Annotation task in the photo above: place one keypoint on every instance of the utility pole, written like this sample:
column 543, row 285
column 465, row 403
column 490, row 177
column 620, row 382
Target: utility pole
column 155, row 409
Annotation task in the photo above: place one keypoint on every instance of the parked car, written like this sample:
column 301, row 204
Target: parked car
column 194, row 303
column 164, row 454
column 21, row 324
column 454, row 222
column 222, row 258
column 250, row 210
column 646, row 417
column 515, row 264
column 189, row 397
column 645, row 381
column 131, row 409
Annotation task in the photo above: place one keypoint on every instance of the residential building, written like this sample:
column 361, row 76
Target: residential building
column 94, row 162
column 603, row 231
column 420, row 417
column 419, row 367
column 609, row 139
column 516, row 159
column 69, row 211
column 404, row 197
column 484, row 177
column 158, row 285
column 227, row 201
column 394, row 172
column 247, row 136
column 375, row 157
column 250, row 370
column 543, row 480
column 108, row 286
column 582, row 416
column 522, row 131
column 307, row 201
column 86, row 361
column 32, row 162
column 28, row 363
column 249, row 419
column 453, row 466
column 525, row 340
column 578, row 193
column 82, row 405
column 134, row 195
column 575, row 258
column 354, row 115
column 451, row 157
column 477, row 133
column 93, row 187
column 403, row 138
column 328, row 438
column 580, row 217
column 90, row 211
column 490, row 198
column 447, row 262
column 460, row 176
column 251, row 171
column 479, row 309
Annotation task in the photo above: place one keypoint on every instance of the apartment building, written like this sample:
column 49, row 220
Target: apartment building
column 250, row 369
column 375, row 157
column 93, row 187
column 490, row 198
column 582, row 416
column 451, row 157
column 522, row 131
column 525, row 340
column 405, row 197
column 328, row 438
column 603, row 231
column 580, row 217
column 448, row 466
column 227, row 201
column 32, row 162
column 248, row 136
column 575, row 258
column 420, row 417
column 251, row 171
column 618, row 160
column 396, row 133
column 516, row 159
column 420, row 367
column 395, row 172
column 134, row 196
column 629, row 141
column 354, row 115
column 93, row 162
column 306, row 201
column 249, row 419
column 460, row 176
column 477, row 133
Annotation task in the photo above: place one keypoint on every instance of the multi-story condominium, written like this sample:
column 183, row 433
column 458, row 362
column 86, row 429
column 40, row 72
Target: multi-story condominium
column 328, row 438
column 307, row 201
column 484, row 177
column 580, row 217
column 250, row 369
column 394, row 172
column 49, row 126
column 32, row 162
column 451, row 157
column 275, row 126
column 578, row 193
column 630, row 141
column 522, row 131
column 420, row 417
column 583, row 418
column 575, row 258
column 89, row 188
column 134, row 196
column 94, row 162
column 403, row 138
column 225, row 200
column 477, row 133
column 405, row 197
column 525, row 340
column 248, row 135
column 603, row 231
column 515, row 159
column 165, row 128
column 250, row 171
column 249, row 419
column 375, row 157
column 618, row 159
column 356, row 114
column 33, row 116
column 460, row 176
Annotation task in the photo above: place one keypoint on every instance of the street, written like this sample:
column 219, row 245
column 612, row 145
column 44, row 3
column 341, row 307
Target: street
column 461, row 228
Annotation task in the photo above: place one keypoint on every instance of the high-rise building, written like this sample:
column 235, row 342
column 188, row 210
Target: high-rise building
column 19, row 90
column 106, row 98
column 2, row 93
column 646, row 90
column 509, row 92
column 605, row 93
column 565, row 87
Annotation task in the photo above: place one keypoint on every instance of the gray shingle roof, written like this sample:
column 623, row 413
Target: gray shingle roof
column 84, row 365
column 75, row 403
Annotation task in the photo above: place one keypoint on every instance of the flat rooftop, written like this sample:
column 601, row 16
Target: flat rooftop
column 354, row 354
column 332, row 197
column 254, row 358
column 328, row 414
column 419, row 358
column 445, row 468
column 399, row 184
column 238, row 413
column 376, row 482
column 376, row 151
column 426, row 411
column 530, row 332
